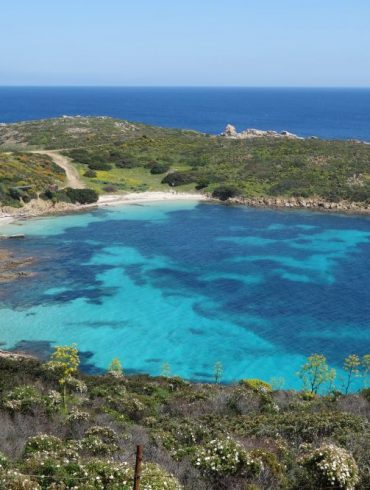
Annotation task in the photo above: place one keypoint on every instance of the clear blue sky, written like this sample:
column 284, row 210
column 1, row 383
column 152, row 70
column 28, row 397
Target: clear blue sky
column 185, row 42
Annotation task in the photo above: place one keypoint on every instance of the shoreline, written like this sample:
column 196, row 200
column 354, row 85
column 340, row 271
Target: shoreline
column 39, row 208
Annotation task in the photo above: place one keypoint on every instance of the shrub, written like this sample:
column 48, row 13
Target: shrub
column 331, row 466
column 14, row 480
column 256, row 385
column 43, row 442
column 127, row 163
column 77, row 415
column 100, row 166
column 82, row 196
column 23, row 398
column 159, row 168
column 94, row 444
column 224, row 192
column 53, row 400
column 178, row 178
column 91, row 174
column 105, row 433
column 226, row 457
column 202, row 184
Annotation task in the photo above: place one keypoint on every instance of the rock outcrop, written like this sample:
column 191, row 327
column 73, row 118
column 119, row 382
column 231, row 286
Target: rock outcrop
column 231, row 132
column 315, row 203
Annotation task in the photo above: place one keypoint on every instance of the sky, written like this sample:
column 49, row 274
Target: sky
column 185, row 42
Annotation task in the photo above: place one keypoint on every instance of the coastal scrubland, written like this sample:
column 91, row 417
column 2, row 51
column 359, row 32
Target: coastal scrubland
column 63, row 429
column 119, row 156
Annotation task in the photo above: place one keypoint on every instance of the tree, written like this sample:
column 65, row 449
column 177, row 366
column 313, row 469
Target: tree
column 115, row 367
column 65, row 360
column 352, row 364
column 315, row 372
column 365, row 369
column 217, row 372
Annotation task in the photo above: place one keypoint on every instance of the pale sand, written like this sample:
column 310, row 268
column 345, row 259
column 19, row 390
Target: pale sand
column 38, row 208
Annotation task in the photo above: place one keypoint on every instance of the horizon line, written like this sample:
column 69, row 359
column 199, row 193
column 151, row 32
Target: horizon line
column 306, row 87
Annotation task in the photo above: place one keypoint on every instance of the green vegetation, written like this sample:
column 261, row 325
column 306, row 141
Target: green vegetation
column 203, row 436
column 65, row 362
column 115, row 367
column 136, row 157
column 315, row 373
column 23, row 175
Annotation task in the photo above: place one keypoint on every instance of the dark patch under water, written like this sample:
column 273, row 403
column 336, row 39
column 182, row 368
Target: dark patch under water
column 257, row 290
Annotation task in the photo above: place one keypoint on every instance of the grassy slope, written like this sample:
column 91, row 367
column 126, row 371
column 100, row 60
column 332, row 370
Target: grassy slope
column 26, row 169
column 174, row 418
column 332, row 170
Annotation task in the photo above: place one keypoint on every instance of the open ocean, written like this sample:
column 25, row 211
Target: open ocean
column 327, row 113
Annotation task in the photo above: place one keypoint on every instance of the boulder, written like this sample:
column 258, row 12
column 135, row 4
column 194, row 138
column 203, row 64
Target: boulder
column 230, row 131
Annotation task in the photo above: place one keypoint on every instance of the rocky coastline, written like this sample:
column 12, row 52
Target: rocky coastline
column 312, row 203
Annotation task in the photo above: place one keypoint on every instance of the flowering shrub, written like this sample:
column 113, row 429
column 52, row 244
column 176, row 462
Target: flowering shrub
column 43, row 442
column 76, row 385
column 105, row 433
column 77, row 415
column 100, row 440
column 227, row 457
column 14, row 480
column 331, row 465
column 53, row 399
column 95, row 445
column 22, row 398
column 63, row 473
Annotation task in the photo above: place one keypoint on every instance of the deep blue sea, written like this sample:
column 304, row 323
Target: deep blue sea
column 327, row 113
column 191, row 284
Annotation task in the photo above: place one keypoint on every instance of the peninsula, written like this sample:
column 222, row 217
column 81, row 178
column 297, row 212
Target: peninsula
column 62, row 164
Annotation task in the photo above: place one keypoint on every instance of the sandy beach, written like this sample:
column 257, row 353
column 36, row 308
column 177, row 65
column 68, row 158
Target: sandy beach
column 39, row 207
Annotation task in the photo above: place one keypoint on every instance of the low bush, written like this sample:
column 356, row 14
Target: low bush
column 226, row 457
column 23, row 398
column 82, row 196
column 91, row 174
column 159, row 168
column 100, row 166
column 179, row 178
column 224, row 192
column 127, row 163
column 256, row 385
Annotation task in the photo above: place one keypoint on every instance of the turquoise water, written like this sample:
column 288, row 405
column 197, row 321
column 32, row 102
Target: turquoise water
column 190, row 284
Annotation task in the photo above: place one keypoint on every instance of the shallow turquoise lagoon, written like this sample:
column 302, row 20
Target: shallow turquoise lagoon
column 190, row 284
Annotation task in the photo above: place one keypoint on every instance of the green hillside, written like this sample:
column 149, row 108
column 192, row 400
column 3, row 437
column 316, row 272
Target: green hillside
column 23, row 175
column 113, row 155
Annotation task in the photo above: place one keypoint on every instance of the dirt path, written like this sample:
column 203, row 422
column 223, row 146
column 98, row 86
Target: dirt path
column 73, row 177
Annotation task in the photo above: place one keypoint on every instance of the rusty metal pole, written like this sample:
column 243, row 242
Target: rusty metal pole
column 137, row 475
